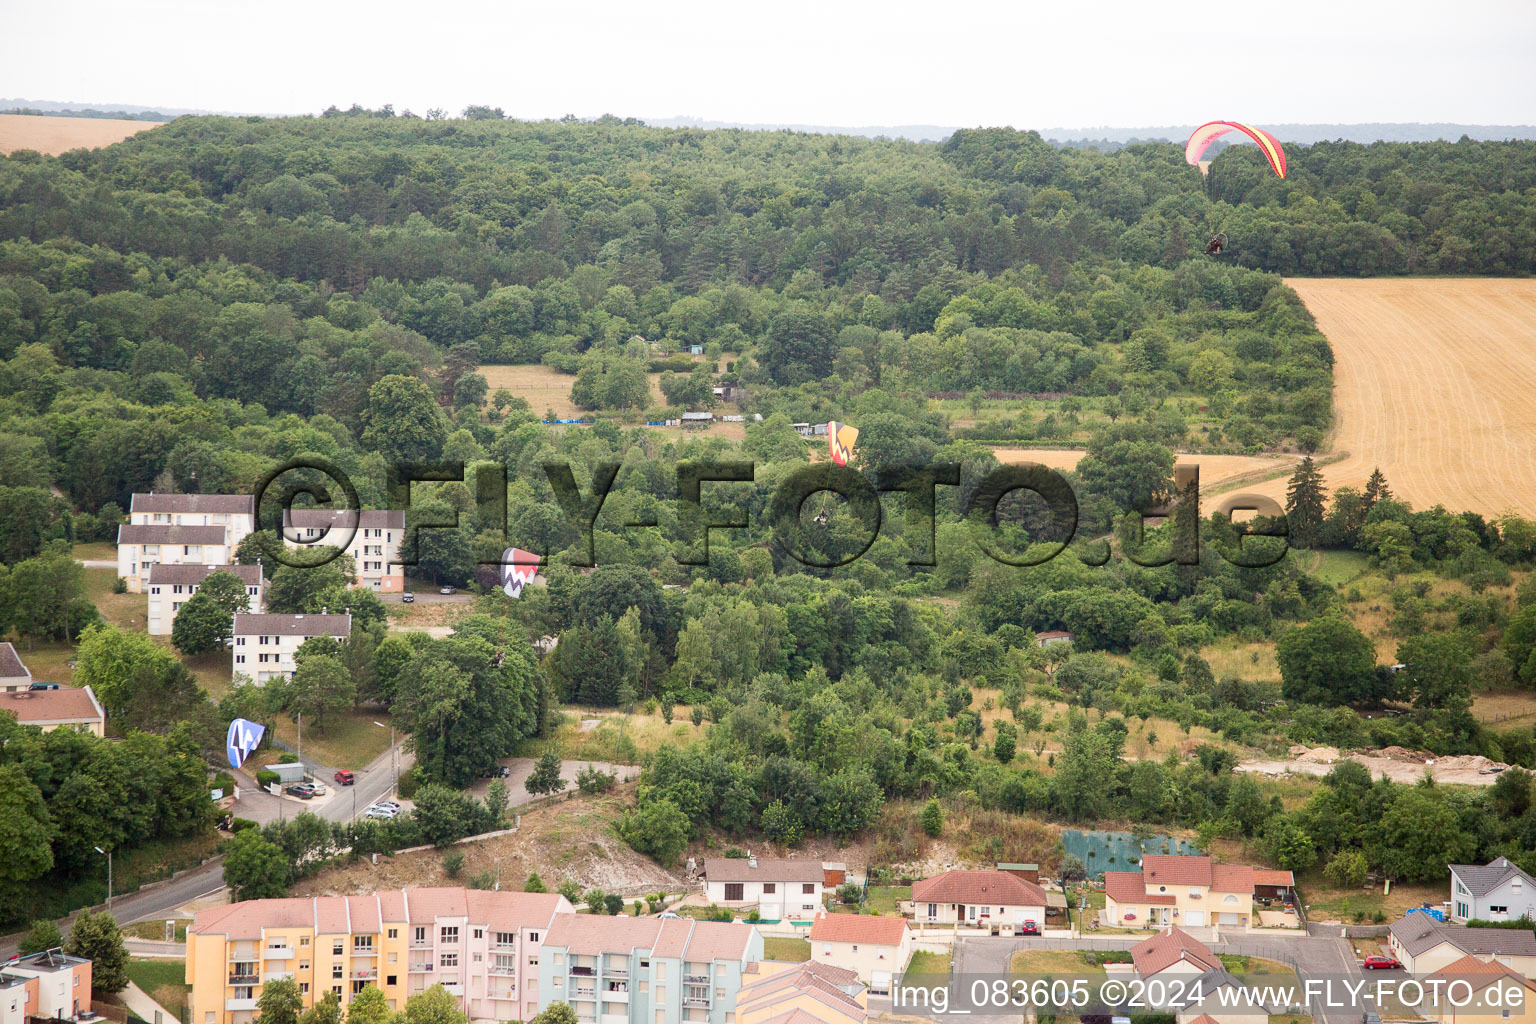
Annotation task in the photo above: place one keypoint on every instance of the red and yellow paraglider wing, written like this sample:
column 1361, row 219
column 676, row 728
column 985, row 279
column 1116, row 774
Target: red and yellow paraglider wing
column 840, row 441
column 1202, row 137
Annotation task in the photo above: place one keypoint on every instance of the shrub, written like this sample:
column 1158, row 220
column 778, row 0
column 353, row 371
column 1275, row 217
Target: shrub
column 240, row 824
column 410, row 781
column 933, row 818
column 453, row 863
column 265, row 777
column 592, row 780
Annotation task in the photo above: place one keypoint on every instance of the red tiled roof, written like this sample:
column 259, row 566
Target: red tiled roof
column 66, row 704
column 336, row 915
column 1232, row 878
column 1268, row 876
column 995, row 887
column 1167, row 948
column 877, row 931
column 830, row 986
column 1204, row 1018
column 1131, row 887
column 1481, row 973
column 1165, row 869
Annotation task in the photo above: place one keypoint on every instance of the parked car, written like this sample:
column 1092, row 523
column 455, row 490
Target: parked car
column 446, row 590
column 1029, row 928
column 344, row 778
column 380, row 811
column 407, row 598
column 302, row 790
column 393, row 805
column 1382, row 963
column 501, row 771
column 316, row 787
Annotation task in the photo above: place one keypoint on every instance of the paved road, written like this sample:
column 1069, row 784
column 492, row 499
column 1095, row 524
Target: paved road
column 98, row 563
column 1310, row 956
column 341, row 803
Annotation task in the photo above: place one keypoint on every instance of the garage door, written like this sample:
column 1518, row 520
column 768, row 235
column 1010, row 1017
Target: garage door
column 1225, row 918
column 1194, row 918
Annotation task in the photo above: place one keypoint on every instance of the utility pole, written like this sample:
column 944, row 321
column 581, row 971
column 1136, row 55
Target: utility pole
column 108, row 855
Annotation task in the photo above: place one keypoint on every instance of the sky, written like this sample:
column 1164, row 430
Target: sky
column 1068, row 64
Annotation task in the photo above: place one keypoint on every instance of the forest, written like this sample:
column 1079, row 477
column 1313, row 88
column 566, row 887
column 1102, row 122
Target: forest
column 193, row 306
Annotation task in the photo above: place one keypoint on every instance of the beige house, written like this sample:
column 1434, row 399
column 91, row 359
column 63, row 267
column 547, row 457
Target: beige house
column 171, row 586
column 779, row 890
column 372, row 537
column 984, row 899
column 872, row 947
column 1191, row 892
column 264, row 645
column 1494, row 994
column 783, row 993
column 1425, row 945
column 62, row 707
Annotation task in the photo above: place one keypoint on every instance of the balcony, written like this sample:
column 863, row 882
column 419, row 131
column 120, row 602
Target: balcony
column 420, row 968
column 696, row 1002
column 455, row 990
column 365, row 974
column 616, row 971
column 364, row 951
column 502, row 971
column 504, row 947
column 239, row 1004
column 421, row 944
column 244, row 979
column 583, row 972
column 584, row 993
column 620, row 996
column 696, row 979
column 277, row 953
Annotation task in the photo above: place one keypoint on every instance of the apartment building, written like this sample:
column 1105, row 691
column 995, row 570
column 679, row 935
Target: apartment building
column 778, row 890
column 646, row 970
column 181, row 529
column 802, row 993
column 372, row 537
column 48, row 984
column 266, row 643
column 482, row 947
column 171, row 586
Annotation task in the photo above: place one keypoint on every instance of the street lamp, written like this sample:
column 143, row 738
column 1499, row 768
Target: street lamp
column 394, row 771
column 107, row 854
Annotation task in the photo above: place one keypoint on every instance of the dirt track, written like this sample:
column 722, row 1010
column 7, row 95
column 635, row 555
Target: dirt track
column 1215, row 470
column 1435, row 379
column 1395, row 763
column 55, row 135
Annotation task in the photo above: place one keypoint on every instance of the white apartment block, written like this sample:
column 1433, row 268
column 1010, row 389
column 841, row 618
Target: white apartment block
column 266, row 643
column 371, row 536
column 179, row 529
column 171, row 586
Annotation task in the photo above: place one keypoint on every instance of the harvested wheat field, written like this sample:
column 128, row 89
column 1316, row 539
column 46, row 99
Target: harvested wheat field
column 1436, row 384
column 545, row 387
column 55, row 135
column 1216, row 471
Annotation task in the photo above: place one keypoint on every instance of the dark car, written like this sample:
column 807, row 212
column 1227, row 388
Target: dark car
column 344, row 778
column 302, row 790
column 1382, row 963
column 501, row 771
column 1029, row 928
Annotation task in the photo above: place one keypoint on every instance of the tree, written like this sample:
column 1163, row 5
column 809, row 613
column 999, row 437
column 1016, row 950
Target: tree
column 1083, row 768
column 322, row 689
column 1346, row 869
column 1418, row 835
column 545, row 777
column 556, row 1013
column 534, row 884
column 40, row 593
column 1005, row 744
column 280, row 1001
column 434, row 1006
column 201, row 625
column 933, row 818
column 254, row 867
column 110, row 659
column 657, row 828
column 327, row 1010
column 1305, row 504
column 1328, row 661
column 305, row 590
column 1288, row 845
column 369, row 1007
column 1437, row 671
column 26, row 837
column 95, row 937
column 402, row 421
column 43, row 935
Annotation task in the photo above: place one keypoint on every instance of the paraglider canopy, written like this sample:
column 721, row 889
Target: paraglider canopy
column 840, row 441
column 1208, row 133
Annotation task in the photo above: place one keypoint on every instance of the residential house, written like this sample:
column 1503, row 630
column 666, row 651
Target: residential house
column 1051, row 637
column 1494, row 994
column 985, row 899
column 779, row 890
column 801, row 993
column 482, row 946
column 1190, row 891
column 57, row 986
column 1496, row 891
column 266, row 643
column 140, row 546
column 1425, row 945
column 646, row 970
column 14, row 674
column 1174, row 951
column 57, row 707
column 873, row 947
column 372, row 537
column 18, row 998
column 171, row 586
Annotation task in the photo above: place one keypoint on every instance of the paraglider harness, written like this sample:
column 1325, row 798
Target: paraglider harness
column 1216, row 244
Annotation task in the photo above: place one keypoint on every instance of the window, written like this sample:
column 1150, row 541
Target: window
column 808, row 888
column 421, row 935
column 449, row 960
column 336, row 970
column 504, row 938
column 303, row 965
column 239, row 659
column 645, row 963
column 1498, row 910
column 479, row 933
column 733, row 891
column 394, row 933
column 337, row 990
column 154, row 590
column 336, row 948
column 533, row 936
column 303, row 988
column 769, row 888
column 389, row 979
column 303, row 940
column 449, row 934
column 358, row 986
column 478, row 958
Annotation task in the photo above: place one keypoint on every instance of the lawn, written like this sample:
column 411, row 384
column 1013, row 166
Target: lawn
column 782, row 947
column 164, row 981
column 883, row 899
column 1336, row 567
column 924, row 962
column 588, row 735
column 349, row 741
column 97, row 551
column 1052, row 961
column 127, row 611
column 1238, row 964
column 1325, row 903
column 155, row 930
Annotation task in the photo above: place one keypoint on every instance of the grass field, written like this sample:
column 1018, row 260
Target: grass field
column 55, row 135
column 1051, row 961
column 155, row 930
column 350, row 741
column 548, row 390
column 782, row 947
column 164, row 981
column 1433, row 383
column 924, row 962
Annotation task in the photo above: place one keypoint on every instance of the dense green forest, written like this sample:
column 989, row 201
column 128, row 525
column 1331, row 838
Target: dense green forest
column 188, row 308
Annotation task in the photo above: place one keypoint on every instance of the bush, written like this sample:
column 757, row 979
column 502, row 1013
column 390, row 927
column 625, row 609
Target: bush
column 483, row 879
column 933, row 818
column 266, row 777
column 614, row 904
column 850, row 893
column 119, row 586
column 240, row 824
column 453, row 863
column 410, row 781
column 592, row 780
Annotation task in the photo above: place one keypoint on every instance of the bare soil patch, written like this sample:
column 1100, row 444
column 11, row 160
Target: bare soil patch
column 1397, row 764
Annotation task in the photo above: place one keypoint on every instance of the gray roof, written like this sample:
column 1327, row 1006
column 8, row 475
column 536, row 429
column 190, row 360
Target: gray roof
column 372, row 518
column 1481, row 879
column 740, row 869
column 1419, row 932
column 11, row 665
column 130, row 533
column 196, row 572
column 236, row 504
column 292, row 625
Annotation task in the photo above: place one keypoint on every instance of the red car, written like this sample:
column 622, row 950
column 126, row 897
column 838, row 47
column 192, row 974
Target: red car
column 344, row 778
column 1381, row 963
column 1029, row 928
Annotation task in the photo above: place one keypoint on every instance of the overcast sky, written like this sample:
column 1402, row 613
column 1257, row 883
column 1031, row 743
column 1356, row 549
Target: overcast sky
column 1072, row 63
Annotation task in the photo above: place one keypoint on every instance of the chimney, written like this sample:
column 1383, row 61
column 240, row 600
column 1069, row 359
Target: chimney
column 751, row 860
